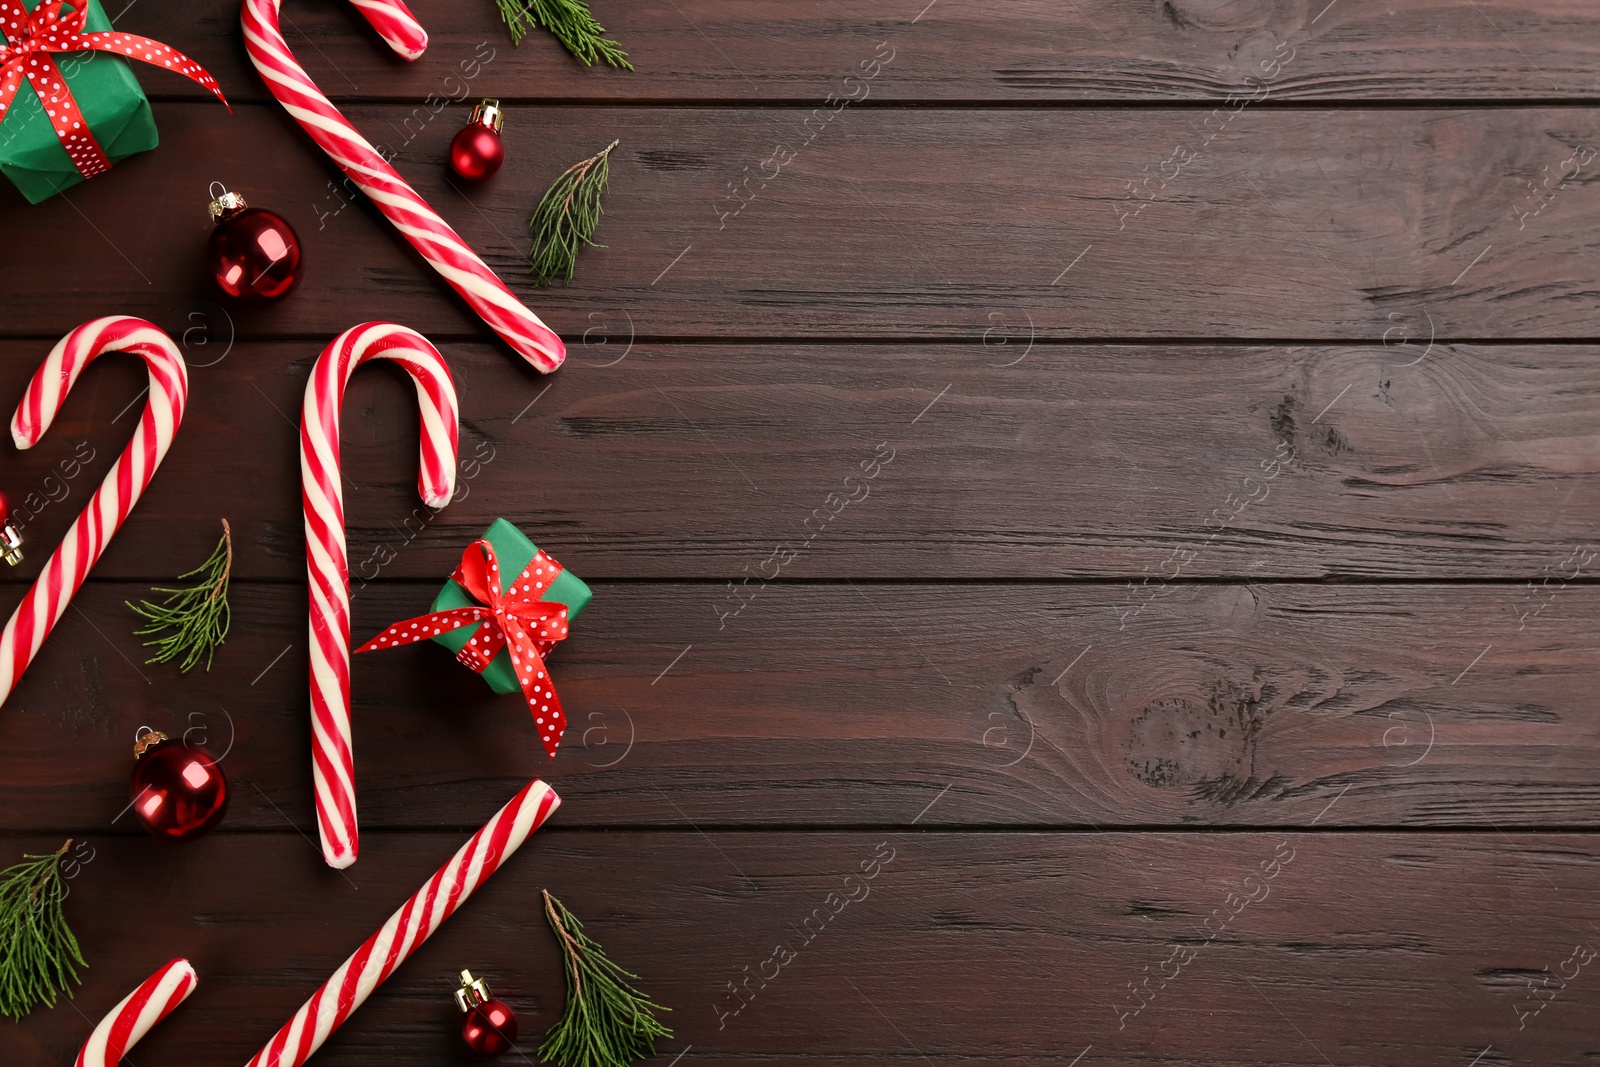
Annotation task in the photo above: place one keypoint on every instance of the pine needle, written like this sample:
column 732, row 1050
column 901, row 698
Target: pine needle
column 37, row 949
column 607, row 1023
column 567, row 217
column 192, row 622
column 572, row 23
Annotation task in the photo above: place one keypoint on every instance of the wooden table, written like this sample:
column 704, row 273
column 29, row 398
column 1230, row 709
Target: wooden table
column 1181, row 428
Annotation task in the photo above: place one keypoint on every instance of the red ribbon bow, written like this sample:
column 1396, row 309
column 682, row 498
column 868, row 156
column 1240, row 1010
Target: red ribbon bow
column 31, row 37
column 517, row 619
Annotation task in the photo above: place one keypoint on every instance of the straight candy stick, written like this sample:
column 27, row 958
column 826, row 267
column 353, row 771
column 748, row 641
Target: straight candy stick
column 359, row 975
column 428, row 233
column 408, row 928
column 126, row 1023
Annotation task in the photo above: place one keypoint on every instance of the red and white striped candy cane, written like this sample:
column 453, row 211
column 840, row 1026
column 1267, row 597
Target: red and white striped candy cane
column 139, row 1011
column 328, row 567
column 408, row 928
column 420, row 224
column 94, row 527
column 363, row 972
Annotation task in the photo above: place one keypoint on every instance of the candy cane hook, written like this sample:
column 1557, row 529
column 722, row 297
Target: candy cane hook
column 365, row 970
column 94, row 527
column 328, row 567
column 429, row 234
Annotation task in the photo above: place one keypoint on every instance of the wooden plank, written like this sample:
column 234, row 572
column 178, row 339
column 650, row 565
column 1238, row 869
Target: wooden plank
column 1087, row 657
column 1044, row 939
column 848, row 705
column 932, row 223
column 955, row 50
column 646, row 460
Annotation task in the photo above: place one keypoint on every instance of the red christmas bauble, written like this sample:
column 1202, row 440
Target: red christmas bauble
column 253, row 255
column 489, row 1028
column 477, row 152
column 178, row 791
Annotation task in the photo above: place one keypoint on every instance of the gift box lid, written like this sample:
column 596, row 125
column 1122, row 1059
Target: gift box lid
column 514, row 552
column 109, row 97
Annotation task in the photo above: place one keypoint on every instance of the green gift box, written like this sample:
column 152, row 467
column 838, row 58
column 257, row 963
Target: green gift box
column 110, row 99
column 513, row 552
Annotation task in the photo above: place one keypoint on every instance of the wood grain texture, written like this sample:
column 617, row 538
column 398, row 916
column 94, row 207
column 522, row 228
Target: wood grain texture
column 1235, row 361
column 1031, row 51
column 1003, row 460
column 1041, row 939
column 931, row 223
column 848, row 705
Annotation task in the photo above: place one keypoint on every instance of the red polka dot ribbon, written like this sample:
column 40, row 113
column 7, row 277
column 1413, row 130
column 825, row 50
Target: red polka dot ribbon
column 54, row 27
column 517, row 620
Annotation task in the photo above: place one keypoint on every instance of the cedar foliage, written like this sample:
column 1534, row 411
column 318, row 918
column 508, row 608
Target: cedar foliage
column 567, row 216
column 607, row 1022
column 192, row 622
column 570, row 21
column 37, row 948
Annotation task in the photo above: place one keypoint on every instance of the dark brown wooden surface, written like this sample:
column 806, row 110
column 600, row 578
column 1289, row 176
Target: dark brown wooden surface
column 1032, row 943
column 1073, row 462
column 952, row 50
column 936, row 223
column 1260, row 520
column 1249, row 705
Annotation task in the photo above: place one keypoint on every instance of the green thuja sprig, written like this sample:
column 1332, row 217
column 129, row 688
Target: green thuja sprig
column 37, row 949
column 572, row 23
column 192, row 622
column 567, row 217
column 607, row 1022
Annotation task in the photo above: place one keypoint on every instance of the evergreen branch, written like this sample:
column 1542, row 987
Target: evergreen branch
column 37, row 949
column 567, row 216
column 607, row 1022
column 517, row 17
column 192, row 622
column 572, row 23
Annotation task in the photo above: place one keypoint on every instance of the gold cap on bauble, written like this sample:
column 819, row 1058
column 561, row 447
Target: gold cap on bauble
column 487, row 113
column 473, row 991
column 224, row 203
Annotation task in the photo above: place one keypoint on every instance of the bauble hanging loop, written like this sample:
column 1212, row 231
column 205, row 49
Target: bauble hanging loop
column 145, row 738
column 253, row 255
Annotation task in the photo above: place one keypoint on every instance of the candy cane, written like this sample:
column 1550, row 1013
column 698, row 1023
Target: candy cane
column 94, row 527
column 139, row 1011
column 364, row 971
column 408, row 928
column 420, row 224
column 332, row 766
